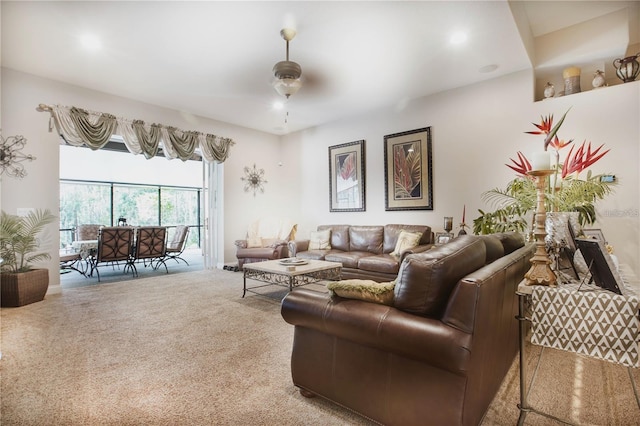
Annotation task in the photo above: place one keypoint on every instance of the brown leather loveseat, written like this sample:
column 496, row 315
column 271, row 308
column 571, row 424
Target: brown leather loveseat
column 366, row 252
column 436, row 355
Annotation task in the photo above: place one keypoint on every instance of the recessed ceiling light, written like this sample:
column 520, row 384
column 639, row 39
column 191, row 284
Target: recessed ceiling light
column 458, row 37
column 90, row 42
column 278, row 105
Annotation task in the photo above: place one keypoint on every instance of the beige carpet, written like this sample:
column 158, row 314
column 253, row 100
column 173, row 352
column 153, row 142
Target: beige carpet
column 187, row 349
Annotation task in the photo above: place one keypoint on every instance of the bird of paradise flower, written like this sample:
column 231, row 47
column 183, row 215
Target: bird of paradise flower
column 407, row 171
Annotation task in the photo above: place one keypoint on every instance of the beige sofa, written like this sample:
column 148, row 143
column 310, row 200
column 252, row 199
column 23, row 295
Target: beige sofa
column 366, row 252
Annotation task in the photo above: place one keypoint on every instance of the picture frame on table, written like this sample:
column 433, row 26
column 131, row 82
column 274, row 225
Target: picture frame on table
column 444, row 237
column 347, row 177
column 595, row 234
column 408, row 170
column 600, row 264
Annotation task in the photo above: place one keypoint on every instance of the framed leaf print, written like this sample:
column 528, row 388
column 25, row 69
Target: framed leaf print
column 346, row 177
column 408, row 170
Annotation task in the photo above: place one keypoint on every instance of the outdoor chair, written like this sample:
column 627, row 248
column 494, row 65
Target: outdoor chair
column 178, row 242
column 72, row 262
column 150, row 245
column 114, row 245
column 87, row 232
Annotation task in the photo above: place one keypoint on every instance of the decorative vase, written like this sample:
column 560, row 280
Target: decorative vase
column 627, row 69
column 571, row 77
column 598, row 80
column 23, row 288
column 549, row 91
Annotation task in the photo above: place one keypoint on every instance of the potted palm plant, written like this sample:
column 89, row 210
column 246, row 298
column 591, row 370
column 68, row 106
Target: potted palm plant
column 20, row 282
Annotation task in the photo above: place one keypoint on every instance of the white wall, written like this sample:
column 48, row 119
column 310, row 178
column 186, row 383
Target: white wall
column 475, row 130
column 21, row 94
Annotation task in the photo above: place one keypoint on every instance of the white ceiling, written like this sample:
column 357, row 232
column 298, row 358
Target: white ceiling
column 214, row 58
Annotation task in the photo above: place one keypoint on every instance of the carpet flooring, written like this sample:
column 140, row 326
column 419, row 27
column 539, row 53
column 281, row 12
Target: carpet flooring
column 187, row 349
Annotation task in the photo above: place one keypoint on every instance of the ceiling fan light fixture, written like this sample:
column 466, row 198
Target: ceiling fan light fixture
column 287, row 73
column 287, row 86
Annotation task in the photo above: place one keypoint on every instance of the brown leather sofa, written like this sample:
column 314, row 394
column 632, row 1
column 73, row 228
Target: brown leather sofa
column 364, row 251
column 437, row 356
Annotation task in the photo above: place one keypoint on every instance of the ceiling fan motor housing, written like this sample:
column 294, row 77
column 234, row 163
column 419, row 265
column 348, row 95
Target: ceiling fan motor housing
column 287, row 69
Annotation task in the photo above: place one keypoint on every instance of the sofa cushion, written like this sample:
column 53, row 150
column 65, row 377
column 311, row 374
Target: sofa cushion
column 392, row 231
column 312, row 254
column 339, row 236
column 426, row 279
column 495, row 249
column 383, row 263
column 367, row 290
column 406, row 241
column 511, row 241
column 349, row 259
column 320, row 240
column 366, row 238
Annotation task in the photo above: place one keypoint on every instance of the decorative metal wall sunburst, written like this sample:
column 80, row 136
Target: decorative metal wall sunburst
column 11, row 155
column 254, row 180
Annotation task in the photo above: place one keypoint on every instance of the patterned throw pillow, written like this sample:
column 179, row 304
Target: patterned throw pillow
column 319, row 240
column 406, row 241
column 367, row 290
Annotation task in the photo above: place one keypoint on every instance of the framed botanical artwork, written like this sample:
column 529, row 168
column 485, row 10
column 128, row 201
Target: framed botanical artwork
column 408, row 170
column 347, row 177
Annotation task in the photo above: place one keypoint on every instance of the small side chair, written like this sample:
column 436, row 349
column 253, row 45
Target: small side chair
column 178, row 242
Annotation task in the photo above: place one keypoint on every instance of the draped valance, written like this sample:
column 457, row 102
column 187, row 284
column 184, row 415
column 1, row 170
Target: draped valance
column 94, row 129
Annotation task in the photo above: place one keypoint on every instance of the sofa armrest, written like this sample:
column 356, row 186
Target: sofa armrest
column 296, row 246
column 417, row 249
column 241, row 243
column 380, row 326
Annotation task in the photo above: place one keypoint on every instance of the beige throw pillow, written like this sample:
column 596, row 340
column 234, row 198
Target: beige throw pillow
column 367, row 290
column 406, row 240
column 254, row 242
column 319, row 240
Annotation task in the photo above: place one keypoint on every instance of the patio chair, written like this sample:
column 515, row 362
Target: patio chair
column 72, row 262
column 150, row 245
column 87, row 232
column 114, row 245
column 178, row 242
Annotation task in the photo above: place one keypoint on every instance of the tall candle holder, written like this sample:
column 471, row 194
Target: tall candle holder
column 540, row 271
column 448, row 224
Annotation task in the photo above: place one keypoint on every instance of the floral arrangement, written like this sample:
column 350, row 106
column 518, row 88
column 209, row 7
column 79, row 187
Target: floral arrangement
column 568, row 191
column 575, row 162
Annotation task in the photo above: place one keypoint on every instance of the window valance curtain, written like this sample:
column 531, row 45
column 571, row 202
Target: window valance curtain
column 94, row 129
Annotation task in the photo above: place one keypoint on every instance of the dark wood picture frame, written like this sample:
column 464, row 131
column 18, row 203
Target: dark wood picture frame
column 347, row 177
column 408, row 169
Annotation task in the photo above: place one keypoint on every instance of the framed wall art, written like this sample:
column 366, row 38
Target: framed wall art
column 408, row 170
column 347, row 177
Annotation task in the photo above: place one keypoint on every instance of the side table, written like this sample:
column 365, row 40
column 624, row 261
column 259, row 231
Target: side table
column 583, row 319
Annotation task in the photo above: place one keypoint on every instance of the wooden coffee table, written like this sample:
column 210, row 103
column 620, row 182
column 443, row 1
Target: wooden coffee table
column 274, row 272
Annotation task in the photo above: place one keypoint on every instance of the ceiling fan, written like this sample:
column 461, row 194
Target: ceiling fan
column 287, row 73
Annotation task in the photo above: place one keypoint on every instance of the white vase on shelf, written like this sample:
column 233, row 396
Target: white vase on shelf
column 549, row 91
column 598, row 80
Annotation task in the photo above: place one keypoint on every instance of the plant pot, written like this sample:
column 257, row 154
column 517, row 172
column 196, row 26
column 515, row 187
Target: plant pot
column 23, row 288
